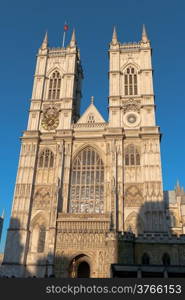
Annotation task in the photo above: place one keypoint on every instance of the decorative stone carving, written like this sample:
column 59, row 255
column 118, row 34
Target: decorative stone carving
column 133, row 196
column 42, row 198
column 131, row 105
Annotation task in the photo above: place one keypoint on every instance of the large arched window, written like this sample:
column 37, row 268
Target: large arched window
column 54, row 86
column 132, row 156
column 87, row 183
column 130, row 81
column 46, row 159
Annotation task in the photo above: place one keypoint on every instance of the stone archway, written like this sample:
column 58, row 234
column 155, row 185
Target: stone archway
column 80, row 267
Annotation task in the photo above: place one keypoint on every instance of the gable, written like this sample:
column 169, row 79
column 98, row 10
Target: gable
column 91, row 115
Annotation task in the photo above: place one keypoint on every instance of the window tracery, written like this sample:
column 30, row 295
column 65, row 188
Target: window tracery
column 54, row 86
column 87, row 183
column 46, row 159
column 132, row 155
column 130, row 81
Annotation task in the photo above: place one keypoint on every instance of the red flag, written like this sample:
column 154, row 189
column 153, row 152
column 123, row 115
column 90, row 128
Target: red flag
column 66, row 27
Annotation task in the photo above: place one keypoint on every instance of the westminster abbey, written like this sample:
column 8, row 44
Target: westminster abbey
column 89, row 199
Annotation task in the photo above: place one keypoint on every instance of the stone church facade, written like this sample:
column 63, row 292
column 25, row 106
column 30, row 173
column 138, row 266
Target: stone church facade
column 89, row 192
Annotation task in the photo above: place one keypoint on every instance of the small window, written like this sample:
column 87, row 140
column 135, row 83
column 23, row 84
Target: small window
column 91, row 119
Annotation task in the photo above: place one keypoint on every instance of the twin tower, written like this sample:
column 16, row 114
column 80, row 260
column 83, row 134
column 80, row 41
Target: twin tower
column 84, row 183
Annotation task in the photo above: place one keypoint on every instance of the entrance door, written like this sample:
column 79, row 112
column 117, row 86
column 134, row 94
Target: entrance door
column 83, row 270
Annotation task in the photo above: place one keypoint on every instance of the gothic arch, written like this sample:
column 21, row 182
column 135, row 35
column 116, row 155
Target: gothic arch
column 129, row 80
column 134, row 223
column 39, row 217
column 51, row 88
column 75, row 261
column 38, row 230
column 95, row 147
column 52, row 70
column 130, row 64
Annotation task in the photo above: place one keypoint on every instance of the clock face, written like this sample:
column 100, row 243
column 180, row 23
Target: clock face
column 50, row 123
column 50, row 119
column 131, row 118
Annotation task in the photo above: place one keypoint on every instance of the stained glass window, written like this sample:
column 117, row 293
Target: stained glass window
column 87, row 183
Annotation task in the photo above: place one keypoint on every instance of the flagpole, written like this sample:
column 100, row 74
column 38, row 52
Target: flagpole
column 64, row 35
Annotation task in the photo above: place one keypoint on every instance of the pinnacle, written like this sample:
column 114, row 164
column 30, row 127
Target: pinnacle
column 92, row 99
column 73, row 39
column 45, row 41
column 144, row 34
column 114, row 37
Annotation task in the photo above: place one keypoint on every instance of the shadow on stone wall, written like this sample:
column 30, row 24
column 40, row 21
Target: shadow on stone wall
column 155, row 243
column 15, row 258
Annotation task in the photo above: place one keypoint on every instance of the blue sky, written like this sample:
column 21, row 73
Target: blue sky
column 22, row 27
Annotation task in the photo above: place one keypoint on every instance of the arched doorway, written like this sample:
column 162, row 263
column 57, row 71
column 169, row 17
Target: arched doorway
column 80, row 267
column 83, row 270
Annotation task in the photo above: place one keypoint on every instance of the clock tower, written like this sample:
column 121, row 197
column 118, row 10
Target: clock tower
column 55, row 106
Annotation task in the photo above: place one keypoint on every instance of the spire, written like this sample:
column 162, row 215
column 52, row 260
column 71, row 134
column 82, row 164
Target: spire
column 92, row 99
column 177, row 188
column 114, row 37
column 73, row 39
column 45, row 41
column 144, row 35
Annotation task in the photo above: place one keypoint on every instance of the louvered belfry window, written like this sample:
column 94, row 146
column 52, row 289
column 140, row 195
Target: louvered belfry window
column 130, row 82
column 54, row 86
column 87, row 183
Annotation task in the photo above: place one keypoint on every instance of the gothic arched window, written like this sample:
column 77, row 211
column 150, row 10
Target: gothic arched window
column 41, row 239
column 87, row 183
column 166, row 259
column 145, row 260
column 130, row 81
column 54, row 86
column 46, row 159
column 132, row 156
